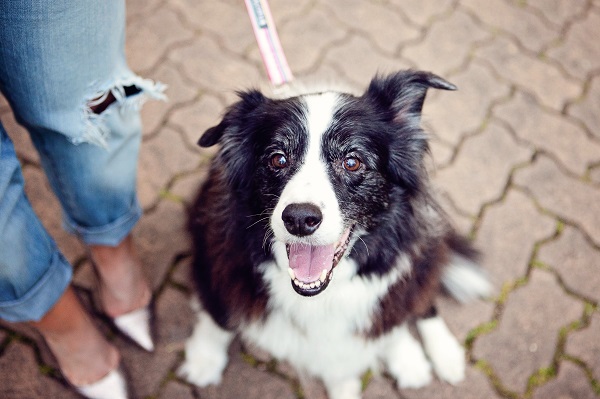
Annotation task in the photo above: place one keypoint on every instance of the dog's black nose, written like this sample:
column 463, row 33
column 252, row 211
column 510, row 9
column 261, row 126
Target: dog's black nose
column 301, row 219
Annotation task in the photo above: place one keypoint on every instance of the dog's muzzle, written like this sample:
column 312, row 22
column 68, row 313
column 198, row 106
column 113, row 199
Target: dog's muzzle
column 311, row 266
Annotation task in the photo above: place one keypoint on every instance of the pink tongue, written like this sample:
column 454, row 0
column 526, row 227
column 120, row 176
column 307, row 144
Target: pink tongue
column 309, row 261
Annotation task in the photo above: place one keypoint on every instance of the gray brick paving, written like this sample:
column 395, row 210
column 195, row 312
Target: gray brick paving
column 584, row 345
column 527, row 335
column 516, row 159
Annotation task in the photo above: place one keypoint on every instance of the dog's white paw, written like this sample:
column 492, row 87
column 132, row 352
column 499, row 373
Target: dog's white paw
column 203, row 370
column 412, row 370
column 205, row 353
column 444, row 351
column 449, row 363
column 407, row 362
column 348, row 389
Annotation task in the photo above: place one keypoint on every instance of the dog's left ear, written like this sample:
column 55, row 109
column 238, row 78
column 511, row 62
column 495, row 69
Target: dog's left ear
column 404, row 92
column 400, row 96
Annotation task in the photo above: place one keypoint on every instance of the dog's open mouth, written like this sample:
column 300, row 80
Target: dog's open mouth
column 311, row 266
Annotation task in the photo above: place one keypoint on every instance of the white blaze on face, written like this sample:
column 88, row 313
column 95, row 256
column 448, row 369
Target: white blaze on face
column 311, row 182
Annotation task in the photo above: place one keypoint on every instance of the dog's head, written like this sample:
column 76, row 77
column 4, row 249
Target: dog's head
column 325, row 167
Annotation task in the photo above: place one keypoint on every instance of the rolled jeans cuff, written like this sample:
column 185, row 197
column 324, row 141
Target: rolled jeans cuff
column 42, row 296
column 111, row 234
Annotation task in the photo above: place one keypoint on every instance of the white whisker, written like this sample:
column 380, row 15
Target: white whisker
column 258, row 221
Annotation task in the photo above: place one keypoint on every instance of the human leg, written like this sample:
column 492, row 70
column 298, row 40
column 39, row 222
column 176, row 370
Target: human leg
column 70, row 95
column 33, row 273
column 34, row 283
column 96, row 188
column 58, row 62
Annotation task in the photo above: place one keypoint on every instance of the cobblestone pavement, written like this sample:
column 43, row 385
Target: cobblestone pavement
column 517, row 163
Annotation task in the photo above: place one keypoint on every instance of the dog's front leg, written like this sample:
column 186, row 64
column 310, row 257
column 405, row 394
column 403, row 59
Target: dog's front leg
column 444, row 350
column 406, row 360
column 205, row 352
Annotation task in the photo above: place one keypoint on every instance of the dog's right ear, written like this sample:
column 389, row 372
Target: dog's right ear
column 212, row 135
column 249, row 101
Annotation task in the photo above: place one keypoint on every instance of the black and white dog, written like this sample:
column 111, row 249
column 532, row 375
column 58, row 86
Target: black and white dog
column 317, row 239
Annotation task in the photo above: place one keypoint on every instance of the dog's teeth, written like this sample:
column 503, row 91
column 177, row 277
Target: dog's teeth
column 312, row 285
column 292, row 274
column 297, row 283
column 318, row 283
column 323, row 275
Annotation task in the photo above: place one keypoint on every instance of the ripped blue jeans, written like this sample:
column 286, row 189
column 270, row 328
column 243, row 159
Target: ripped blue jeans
column 64, row 74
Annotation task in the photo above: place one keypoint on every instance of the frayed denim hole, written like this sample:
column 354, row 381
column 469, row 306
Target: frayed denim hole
column 100, row 104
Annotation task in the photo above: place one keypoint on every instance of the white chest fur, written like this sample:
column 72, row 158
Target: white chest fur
column 324, row 334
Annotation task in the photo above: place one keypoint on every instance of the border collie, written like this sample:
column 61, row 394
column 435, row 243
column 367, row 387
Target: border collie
column 316, row 238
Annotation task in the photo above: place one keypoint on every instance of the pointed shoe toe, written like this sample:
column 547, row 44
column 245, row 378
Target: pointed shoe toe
column 138, row 326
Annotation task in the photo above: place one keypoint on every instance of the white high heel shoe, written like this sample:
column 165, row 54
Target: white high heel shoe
column 138, row 326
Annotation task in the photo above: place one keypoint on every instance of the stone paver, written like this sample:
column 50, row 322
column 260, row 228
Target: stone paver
column 531, row 32
column 315, row 28
column 562, row 138
column 348, row 58
column 21, row 377
column 494, row 153
column 216, row 69
column 571, row 383
column 585, row 346
column 558, row 11
column 515, row 158
column 175, row 390
column 478, row 387
column 578, row 54
column 584, row 109
column 530, row 73
column 376, row 21
column 436, row 49
column 157, row 168
column 477, row 91
column 160, row 240
column 179, row 92
column 595, row 175
column 515, row 220
column 422, row 12
column 212, row 17
column 380, row 388
column 176, row 319
column 150, row 37
column 576, row 261
column 195, row 118
column 570, row 199
column 528, row 331
column 242, row 380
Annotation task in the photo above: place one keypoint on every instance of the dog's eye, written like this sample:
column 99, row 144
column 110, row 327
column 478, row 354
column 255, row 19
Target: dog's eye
column 351, row 164
column 279, row 161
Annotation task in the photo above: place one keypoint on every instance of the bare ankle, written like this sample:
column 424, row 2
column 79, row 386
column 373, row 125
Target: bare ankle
column 123, row 287
column 83, row 354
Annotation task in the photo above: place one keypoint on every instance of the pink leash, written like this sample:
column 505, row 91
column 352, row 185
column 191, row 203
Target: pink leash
column 268, row 42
